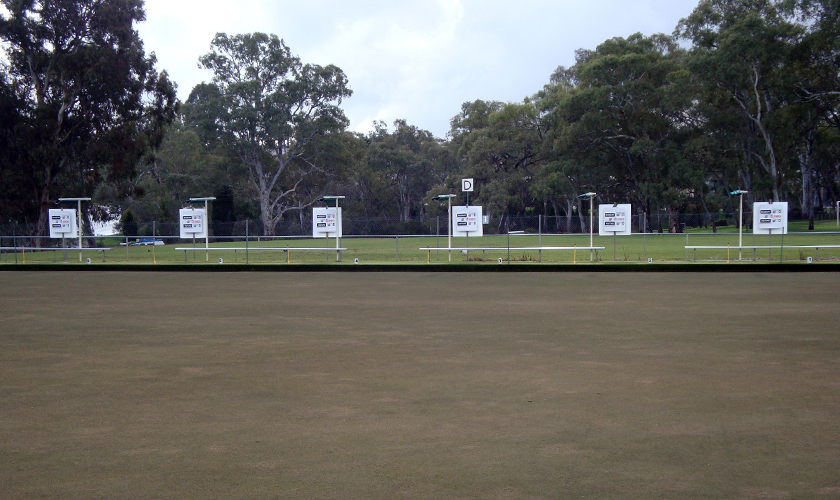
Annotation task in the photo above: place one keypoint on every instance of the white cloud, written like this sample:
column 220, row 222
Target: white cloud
column 417, row 60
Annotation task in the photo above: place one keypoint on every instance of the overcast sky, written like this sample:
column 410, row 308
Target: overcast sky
column 411, row 59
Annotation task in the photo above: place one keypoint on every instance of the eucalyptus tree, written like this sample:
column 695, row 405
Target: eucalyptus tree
column 564, row 174
column 402, row 165
column 271, row 109
column 89, row 101
column 816, row 84
column 627, row 118
column 742, row 50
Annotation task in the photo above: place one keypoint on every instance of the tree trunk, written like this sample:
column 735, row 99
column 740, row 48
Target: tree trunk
column 806, row 167
column 44, row 204
column 581, row 218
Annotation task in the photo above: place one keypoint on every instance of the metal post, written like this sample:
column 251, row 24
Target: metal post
column 79, row 218
column 437, row 237
column 337, row 233
column 769, row 243
column 539, row 225
column 740, row 227
column 449, row 226
column 782, row 247
column 508, row 232
column 246, row 241
column 468, row 245
column 206, row 233
column 591, row 210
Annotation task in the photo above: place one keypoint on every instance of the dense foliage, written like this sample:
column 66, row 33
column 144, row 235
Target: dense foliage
column 743, row 95
column 82, row 103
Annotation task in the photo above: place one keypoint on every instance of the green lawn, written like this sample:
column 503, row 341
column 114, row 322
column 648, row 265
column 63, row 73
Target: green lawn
column 631, row 249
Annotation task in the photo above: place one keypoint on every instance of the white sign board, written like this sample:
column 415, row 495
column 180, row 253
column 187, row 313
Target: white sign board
column 62, row 223
column 193, row 223
column 614, row 220
column 467, row 185
column 770, row 217
column 326, row 222
column 466, row 221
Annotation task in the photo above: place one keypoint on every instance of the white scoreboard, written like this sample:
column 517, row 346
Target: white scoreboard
column 193, row 222
column 770, row 217
column 467, row 221
column 614, row 220
column 326, row 222
column 62, row 223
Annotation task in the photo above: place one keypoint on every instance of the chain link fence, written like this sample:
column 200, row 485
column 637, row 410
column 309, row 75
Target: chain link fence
column 16, row 235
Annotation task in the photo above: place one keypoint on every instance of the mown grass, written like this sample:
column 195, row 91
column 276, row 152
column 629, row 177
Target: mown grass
column 636, row 248
column 419, row 385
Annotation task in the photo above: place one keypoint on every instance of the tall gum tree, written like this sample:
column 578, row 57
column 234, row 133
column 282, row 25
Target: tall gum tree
column 89, row 98
column 627, row 119
column 271, row 109
column 739, row 49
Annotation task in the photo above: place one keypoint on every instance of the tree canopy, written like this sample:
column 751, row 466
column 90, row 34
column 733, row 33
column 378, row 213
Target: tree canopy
column 83, row 100
column 744, row 94
column 270, row 109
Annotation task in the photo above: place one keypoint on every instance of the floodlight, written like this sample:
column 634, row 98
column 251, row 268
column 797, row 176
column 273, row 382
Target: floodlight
column 330, row 199
column 738, row 192
column 442, row 197
column 585, row 196
column 71, row 200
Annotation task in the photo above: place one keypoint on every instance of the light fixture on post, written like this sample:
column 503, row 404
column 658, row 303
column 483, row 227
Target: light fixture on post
column 591, row 197
column 448, row 198
column 740, row 193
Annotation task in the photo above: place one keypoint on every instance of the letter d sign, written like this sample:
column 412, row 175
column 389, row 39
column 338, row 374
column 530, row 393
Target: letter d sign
column 467, row 185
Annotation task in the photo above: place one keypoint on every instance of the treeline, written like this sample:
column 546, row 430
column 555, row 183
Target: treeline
column 743, row 95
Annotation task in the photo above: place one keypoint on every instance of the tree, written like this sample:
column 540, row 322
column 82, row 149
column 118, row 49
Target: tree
column 404, row 165
column 627, row 119
column 90, row 101
column 741, row 49
column 271, row 109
